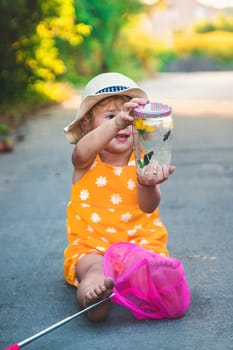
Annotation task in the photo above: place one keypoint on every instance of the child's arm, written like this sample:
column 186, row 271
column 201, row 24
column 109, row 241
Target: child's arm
column 95, row 140
column 148, row 190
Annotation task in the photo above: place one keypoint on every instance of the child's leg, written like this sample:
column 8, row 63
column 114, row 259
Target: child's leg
column 93, row 285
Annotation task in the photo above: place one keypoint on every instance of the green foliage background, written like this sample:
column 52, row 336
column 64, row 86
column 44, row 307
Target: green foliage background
column 47, row 45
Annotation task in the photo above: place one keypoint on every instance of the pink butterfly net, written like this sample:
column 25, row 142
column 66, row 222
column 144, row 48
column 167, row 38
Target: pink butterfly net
column 150, row 285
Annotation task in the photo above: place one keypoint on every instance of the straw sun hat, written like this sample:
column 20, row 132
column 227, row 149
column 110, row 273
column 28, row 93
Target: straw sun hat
column 100, row 87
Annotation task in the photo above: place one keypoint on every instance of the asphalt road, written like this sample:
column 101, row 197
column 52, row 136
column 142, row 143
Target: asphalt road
column 196, row 208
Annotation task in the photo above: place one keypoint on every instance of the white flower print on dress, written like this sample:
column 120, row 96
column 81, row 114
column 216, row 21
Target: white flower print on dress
column 115, row 198
column 134, row 230
column 77, row 217
column 143, row 241
column 84, row 194
column 76, row 241
column 125, row 217
column 90, row 228
column 131, row 184
column 101, row 181
column 95, row 217
column 111, row 230
column 85, row 205
column 157, row 222
column 117, row 171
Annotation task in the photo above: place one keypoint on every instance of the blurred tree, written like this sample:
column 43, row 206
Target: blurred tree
column 17, row 23
column 106, row 18
column 28, row 47
column 55, row 33
column 221, row 22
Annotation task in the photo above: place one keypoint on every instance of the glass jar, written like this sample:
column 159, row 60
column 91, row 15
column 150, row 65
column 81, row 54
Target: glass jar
column 152, row 134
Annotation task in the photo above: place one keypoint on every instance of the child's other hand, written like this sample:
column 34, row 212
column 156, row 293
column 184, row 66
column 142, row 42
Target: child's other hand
column 124, row 117
column 152, row 175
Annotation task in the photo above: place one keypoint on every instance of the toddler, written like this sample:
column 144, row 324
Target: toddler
column 110, row 202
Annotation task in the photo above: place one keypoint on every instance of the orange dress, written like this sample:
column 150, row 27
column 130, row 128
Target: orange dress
column 103, row 210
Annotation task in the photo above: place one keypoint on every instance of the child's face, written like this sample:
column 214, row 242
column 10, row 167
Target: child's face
column 108, row 109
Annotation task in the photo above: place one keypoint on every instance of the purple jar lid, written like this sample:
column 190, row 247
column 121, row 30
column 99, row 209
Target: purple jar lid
column 153, row 109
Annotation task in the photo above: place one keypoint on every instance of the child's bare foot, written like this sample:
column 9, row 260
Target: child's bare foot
column 96, row 293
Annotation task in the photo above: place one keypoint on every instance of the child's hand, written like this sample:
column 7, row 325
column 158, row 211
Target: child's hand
column 124, row 117
column 152, row 175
